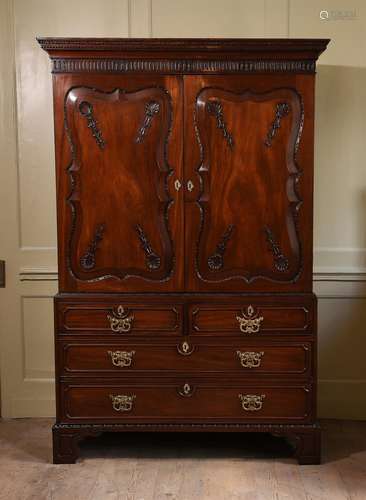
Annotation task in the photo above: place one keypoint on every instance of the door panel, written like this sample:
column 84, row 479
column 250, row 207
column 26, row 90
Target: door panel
column 244, row 229
column 124, row 234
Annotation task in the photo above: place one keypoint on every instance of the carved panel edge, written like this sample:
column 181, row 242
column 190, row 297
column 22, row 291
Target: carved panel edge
column 73, row 174
column 294, row 206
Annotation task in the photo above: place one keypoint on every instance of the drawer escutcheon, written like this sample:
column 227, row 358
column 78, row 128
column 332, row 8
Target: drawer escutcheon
column 250, row 321
column 121, row 321
column 186, row 390
column 250, row 359
column 121, row 358
column 185, row 348
column 251, row 402
column 122, row 402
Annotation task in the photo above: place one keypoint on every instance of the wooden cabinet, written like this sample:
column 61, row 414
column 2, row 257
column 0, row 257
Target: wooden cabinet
column 184, row 200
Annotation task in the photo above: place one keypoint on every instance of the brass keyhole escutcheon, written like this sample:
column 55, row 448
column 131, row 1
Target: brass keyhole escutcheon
column 186, row 390
column 185, row 348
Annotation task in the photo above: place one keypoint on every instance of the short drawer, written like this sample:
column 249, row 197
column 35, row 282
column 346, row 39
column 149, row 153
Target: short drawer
column 250, row 318
column 186, row 400
column 119, row 318
column 185, row 357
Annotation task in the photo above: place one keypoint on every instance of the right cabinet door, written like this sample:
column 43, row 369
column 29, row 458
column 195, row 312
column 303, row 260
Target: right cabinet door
column 249, row 180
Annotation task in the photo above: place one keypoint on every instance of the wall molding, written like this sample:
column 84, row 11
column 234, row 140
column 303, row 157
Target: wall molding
column 38, row 274
column 325, row 285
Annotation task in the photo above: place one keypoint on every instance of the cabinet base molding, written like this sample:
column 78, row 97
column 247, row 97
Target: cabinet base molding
column 305, row 439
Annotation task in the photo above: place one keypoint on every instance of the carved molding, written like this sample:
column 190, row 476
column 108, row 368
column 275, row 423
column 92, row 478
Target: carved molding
column 209, row 45
column 87, row 261
column 216, row 260
column 304, row 438
column 108, row 65
column 249, row 427
column 215, row 108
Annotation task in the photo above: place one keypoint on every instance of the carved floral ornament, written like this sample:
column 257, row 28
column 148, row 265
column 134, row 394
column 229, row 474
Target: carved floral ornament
column 87, row 261
column 216, row 260
column 86, row 110
column 282, row 110
column 215, row 108
column 152, row 108
column 281, row 262
column 153, row 260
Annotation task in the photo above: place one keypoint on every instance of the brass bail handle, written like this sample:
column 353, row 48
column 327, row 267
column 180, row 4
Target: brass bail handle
column 120, row 320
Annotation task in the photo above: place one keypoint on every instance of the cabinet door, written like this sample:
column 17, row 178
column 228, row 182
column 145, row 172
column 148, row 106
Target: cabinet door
column 119, row 160
column 248, row 168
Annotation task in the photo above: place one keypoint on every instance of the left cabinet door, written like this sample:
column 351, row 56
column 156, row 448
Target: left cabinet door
column 119, row 172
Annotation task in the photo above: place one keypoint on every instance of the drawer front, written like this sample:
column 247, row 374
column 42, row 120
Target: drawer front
column 184, row 400
column 250, row 319
column 185, row 357
column 119, row 318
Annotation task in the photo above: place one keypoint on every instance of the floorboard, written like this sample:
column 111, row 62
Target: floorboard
column 180, row 466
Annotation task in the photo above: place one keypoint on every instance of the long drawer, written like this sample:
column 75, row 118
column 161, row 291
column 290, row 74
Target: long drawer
column 251, row 318
column 184, row 400
column 92, row 358
column 118, row 318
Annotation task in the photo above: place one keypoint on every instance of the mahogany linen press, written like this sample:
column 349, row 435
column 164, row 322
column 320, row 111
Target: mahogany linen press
column 185, row 238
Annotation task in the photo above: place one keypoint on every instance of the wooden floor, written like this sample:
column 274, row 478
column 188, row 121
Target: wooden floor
column 184, row 467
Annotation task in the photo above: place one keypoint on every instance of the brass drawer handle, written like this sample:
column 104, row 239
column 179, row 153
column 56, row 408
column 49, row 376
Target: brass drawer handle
column 251, row 402
column 250, row 321
column 122, row 402
column 121, row 358
column 250, row 359
column 121, row 321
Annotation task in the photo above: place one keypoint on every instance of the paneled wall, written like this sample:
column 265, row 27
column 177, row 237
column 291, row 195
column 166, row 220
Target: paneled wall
column 27, row 185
